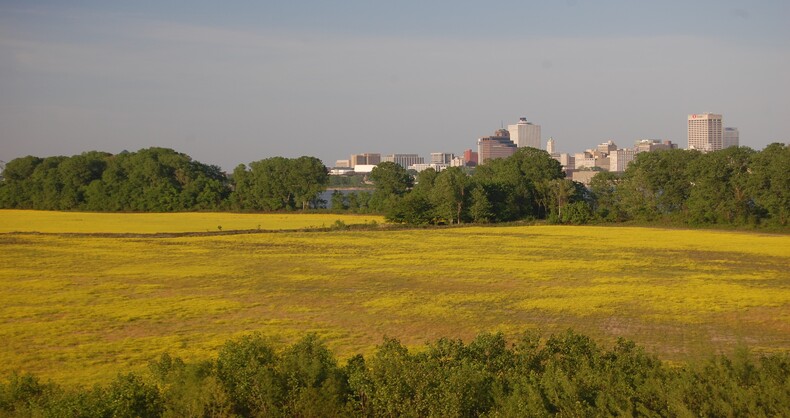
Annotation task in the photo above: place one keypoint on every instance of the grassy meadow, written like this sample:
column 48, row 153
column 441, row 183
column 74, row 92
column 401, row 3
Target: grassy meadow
column 81, row 308
column 154, row 223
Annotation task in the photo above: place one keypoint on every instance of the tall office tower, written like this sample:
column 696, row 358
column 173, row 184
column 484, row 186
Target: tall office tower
column 441, row 157
column 550, row 146
column 705, row 133
column 404, row 160
column 525, row 134
column 731, row 138
column 470, row 157
column 498, row 145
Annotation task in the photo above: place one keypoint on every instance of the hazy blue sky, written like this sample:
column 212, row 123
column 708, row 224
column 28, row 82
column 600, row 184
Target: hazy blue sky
column 237, row 81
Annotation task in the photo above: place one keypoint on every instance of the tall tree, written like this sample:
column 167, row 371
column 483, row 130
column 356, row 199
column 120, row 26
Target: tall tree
column 450, row 194
column 769, row 182
column 719, row 193
column 603, row 187
column 520, row 174
column 391, row 181
column 657, row 184
column 309, row 178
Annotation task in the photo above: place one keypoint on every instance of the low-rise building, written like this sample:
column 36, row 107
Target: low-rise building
column 420, row 167
column 403, row 160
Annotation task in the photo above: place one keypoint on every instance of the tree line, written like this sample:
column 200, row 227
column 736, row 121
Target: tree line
column 734, row 186
column 158, row 180
column 567, row 374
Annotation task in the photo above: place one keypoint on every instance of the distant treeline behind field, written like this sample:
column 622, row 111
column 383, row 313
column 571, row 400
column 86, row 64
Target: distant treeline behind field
column 734, row 186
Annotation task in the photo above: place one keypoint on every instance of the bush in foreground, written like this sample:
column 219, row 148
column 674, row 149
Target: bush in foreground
column 567, row 374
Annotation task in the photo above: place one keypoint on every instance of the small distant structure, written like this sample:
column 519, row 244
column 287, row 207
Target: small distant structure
column 364, row 159
column 731, row 137
column 403, row 160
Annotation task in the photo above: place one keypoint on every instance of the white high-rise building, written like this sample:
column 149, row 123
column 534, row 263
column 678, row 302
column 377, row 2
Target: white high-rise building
column 731, row 138
column 550, row 146
column 705, row 132
column 525, row 134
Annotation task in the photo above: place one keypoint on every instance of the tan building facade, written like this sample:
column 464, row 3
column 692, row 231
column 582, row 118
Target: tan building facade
column 403, row 160
column 364, row 159
column 620, row 158
column 705, row 132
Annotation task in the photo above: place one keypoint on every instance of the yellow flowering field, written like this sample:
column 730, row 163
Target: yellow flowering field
column 81, row 308
column 152, row 223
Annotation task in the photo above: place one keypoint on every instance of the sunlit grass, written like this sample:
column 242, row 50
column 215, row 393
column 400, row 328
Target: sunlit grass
column 151, row 223
column 80, row 308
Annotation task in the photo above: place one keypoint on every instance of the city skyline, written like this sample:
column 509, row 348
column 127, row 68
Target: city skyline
column 234, row 83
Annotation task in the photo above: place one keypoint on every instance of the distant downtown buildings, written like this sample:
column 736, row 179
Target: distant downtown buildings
column 705, row 133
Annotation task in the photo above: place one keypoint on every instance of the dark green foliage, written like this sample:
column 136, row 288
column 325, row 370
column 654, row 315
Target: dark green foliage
column 502, row 190
column 734, row 186
column 392, row 182
column 413, row 209
column 315, row 385
column 247, row 369
column 605, row 205
column 153, row 179
column 279, row 183
column 524, row 178
column 391, row 179
column 129, row 396
column 769, row 183
column 339, row 201
column 450, row 196
column 158, row 180
column 359, row 202
column 656, row 184
column 720, row 187
column 567, row 374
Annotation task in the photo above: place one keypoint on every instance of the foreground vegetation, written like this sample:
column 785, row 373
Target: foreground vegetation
column 567, row 374
column 76, row 308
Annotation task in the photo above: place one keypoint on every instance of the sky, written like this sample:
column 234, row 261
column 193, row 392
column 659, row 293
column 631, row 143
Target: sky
column 233, row 82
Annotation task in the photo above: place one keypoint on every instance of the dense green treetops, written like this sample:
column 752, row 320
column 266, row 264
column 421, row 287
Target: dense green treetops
column 567, row 375
column 158, row 180
column 734, row 186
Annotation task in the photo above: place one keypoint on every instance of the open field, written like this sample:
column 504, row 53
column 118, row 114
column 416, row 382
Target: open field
column 79, row 309
column 153, row 223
